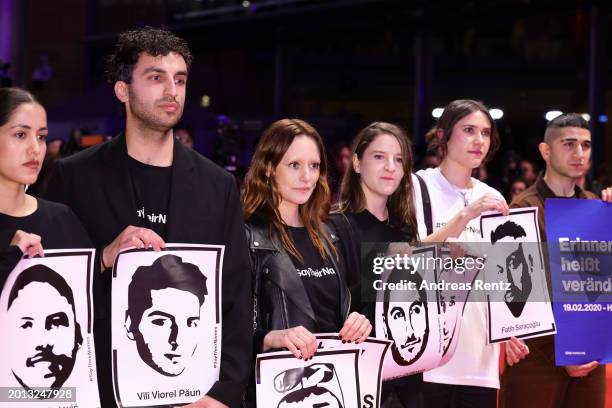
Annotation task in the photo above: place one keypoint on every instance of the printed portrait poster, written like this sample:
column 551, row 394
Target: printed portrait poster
column 371, row 357
column 329, row 379
column 46, row 321
column 407, row 314
column 518, row 302
column 166, row 324
column 580, row 252
column 454, row 282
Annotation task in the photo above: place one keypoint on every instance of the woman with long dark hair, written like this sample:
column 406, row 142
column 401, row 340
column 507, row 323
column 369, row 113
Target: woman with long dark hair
column 28, row 224
column 299, row 282
column 376, row 205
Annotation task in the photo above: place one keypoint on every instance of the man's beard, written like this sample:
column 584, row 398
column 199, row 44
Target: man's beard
column 147, row 117
column 60, row 368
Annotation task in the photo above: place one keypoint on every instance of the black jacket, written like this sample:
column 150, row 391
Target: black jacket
column 280, row 299
column 203, row 209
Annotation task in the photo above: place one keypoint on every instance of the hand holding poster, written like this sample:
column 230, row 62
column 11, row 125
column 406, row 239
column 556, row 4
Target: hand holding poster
column 580, row 250
column 166, row 324
column 46, row 321
column 518, row 302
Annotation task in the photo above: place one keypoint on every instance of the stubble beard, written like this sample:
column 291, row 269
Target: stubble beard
column 147, row 118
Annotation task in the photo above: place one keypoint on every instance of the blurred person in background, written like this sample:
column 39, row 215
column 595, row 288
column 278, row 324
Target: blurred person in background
column 184, row 134
column 516, row 187
column 341, row 160
column 529, row 171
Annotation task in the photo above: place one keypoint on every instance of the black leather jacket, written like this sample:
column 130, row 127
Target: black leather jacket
column 280, row 299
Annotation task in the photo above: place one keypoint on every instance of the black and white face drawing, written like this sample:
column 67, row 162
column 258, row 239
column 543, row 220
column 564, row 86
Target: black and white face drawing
column 406, row 320
column 518, row 269
column 164, row 301
column 43, row 341
column 307, row 387
column 448, row 313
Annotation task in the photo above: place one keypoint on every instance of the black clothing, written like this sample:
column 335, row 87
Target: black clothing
column 151, row 185
column 320, row 280
column 56, row 224
column 281, row 300
column 355, row 230
column 458, row 396
column 203, row 209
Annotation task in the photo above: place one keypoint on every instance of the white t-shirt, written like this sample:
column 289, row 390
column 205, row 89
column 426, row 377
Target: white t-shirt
column 474, row 362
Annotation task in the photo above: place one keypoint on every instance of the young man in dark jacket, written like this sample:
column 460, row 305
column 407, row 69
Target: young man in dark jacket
column 566, row 149
column 144, row 189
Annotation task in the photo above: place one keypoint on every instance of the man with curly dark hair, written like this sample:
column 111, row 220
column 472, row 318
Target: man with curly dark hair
column 143, row 189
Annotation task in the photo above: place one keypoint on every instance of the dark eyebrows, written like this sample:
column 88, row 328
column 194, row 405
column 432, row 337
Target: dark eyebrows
column 161, row 71
column 28, row 127
column 476, row 126
column 153, row 69
column 574, row 139
column 160, row 313
column 383, row 152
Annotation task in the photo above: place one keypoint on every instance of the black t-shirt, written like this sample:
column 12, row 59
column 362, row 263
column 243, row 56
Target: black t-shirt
column 355, row 229
column 367, row 228
column 320, row 280
column 371, row 229
column 151, row 185
column 56, row 224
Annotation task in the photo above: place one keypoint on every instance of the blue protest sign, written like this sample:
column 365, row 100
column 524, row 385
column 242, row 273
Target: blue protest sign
column 580, row 252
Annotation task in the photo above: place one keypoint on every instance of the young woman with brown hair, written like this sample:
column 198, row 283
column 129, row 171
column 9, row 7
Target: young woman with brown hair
column 299, row 283
column 466, row 137
column 376, row 205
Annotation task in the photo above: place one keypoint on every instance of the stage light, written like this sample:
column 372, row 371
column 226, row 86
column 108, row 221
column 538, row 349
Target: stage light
column 550, row 115
column 437, row 112
column 603, row 118
column 205, row 101
column 496, row 113
column 246, row 4
column 586, row 116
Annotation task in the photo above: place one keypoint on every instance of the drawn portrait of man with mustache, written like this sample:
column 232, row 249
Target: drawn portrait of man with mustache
column 405, row 318
column 45, row 335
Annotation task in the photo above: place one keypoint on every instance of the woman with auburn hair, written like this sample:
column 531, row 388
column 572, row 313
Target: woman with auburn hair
column 27, row 224
column 466, row 136
column 299, row 283
column 376, row 205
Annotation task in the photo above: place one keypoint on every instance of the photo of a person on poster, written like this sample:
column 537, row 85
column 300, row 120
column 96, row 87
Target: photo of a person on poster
column 518, row 302
column 164, row 313
column 166, row 324
column 47, row 350
column 406, row 320
column 517, row 269
column 307, row 387
column 331, row 379
column 49, row 337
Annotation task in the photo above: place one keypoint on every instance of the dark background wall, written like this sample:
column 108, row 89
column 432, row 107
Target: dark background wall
column 338, row 63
